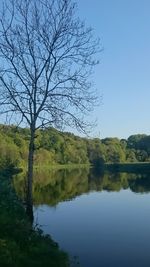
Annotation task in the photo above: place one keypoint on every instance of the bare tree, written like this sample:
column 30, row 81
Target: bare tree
column 47, row 55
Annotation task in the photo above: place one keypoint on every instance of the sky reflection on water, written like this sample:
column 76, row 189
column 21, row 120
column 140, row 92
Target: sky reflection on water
column 105, row 228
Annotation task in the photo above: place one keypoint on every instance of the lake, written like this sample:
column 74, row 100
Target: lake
column 101, row 220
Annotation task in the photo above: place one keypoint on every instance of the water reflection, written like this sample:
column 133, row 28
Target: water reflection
column 110, row 226
column 51, row 187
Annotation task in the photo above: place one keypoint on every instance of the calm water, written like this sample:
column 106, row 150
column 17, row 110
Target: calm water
column 102, row 220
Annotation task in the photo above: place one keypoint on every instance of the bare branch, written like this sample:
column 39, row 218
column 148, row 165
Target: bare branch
column 47, row 56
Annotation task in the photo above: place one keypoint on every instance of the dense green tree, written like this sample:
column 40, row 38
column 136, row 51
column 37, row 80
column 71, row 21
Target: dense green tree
column 134, row 140
column 96, row 151
column 114, row 150
column 130, row 155
column 55, row 147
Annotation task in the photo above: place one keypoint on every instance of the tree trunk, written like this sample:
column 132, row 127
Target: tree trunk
column 29, row 197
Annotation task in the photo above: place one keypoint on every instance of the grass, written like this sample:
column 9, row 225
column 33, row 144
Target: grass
column 20, row 244
column 62, row 166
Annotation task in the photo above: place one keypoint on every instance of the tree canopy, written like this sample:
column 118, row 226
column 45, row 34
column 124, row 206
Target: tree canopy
column 56, row 147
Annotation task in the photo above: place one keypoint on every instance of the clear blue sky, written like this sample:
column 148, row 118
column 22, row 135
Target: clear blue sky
column 123, row 76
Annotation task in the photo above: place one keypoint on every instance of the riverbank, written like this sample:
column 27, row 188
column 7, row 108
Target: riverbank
column 128, row 167
column 20, row 244
column 62, row 166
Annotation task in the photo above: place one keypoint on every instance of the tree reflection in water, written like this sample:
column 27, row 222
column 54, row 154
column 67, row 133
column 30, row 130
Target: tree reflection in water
column 53, row 186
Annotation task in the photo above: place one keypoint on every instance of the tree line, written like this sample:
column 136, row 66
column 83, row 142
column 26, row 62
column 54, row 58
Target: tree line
column 56, row 147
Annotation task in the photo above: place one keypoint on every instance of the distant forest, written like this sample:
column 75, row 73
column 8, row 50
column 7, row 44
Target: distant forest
column 55, row 147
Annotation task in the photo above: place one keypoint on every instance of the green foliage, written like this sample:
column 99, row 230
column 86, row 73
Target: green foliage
column 115, row 151
column 20, row 244
column 9, row 152
column 54, row 147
